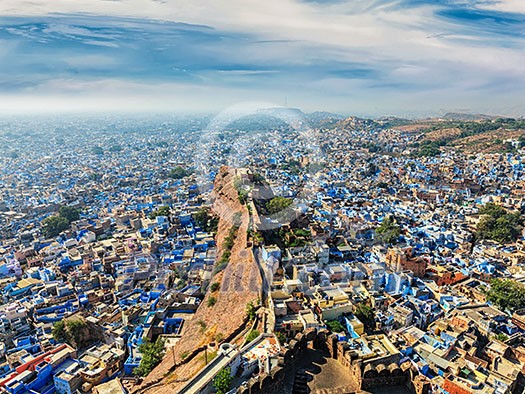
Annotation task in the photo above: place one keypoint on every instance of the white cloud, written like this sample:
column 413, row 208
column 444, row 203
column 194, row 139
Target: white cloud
column 356, row 30
column 448, row 62
column 514, row 6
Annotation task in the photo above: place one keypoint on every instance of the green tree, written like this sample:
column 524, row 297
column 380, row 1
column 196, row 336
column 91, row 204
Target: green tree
column 366, row 314
column 59, row 331
column 201, row 217
column 485, row 226
column 54, row 225
column 69, row 213
column 507, row 294
column 77, row 333
column 227, row 245
column 162, row 211
column 223, row 380
column 252, row 335
column 388, row 231
column 179, row 173
column 243, row 196
column 258, row 237
column 237, row 183
column 499, row 225
column 212, row 301
column 501, row 337
column 372, row 148
column 242, row 193
column 257, row 178
column 278, row 204
column 205, row 220
column 281, row 336
column 508, row 147
column 251, row 310
column 202, row 324
column 152, row 354
column 335, row 326
column 493, row 210
column 97, row 150
column 429, row 149
column 522, row 141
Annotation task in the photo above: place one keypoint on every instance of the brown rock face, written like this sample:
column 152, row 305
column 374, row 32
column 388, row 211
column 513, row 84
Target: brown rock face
column 240, row 283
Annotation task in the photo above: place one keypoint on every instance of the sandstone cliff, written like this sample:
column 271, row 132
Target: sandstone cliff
column 240, row 283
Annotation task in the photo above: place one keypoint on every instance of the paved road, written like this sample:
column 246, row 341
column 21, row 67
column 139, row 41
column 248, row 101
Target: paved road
column 206, row 375
column 264, row 275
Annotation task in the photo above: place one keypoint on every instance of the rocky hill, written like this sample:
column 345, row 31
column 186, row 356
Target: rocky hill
column 467, row 117
column 222, row 313
column 355, row 123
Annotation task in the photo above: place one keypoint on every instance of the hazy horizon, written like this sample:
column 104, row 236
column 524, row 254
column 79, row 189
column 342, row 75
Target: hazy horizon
column 164, row 114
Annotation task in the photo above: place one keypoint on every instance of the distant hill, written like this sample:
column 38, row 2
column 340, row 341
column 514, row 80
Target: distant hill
column 294, row 116
column 258, row 122
column 467, row 117
column 321, row 119
column 473, row 136
column 354, row 122
column 282, row 113
column 393, row 121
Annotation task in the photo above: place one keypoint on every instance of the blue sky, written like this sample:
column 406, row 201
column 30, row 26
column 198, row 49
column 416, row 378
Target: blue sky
column 405, row 57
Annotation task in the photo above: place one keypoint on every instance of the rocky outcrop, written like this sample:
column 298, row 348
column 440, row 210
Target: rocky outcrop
column 240, row 283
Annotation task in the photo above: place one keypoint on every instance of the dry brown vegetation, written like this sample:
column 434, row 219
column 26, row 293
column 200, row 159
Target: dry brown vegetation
column 489, row 142
column 436, row 135
column 412, row 128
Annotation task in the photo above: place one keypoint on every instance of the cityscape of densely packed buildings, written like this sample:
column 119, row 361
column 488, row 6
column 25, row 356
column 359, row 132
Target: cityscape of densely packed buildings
column 366, row 252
